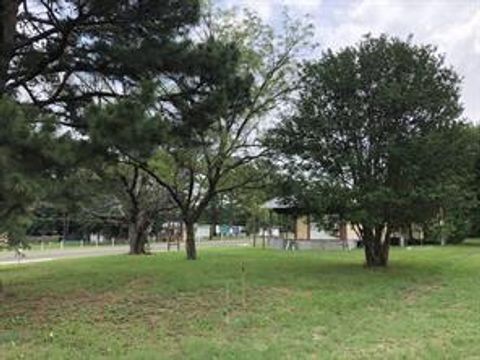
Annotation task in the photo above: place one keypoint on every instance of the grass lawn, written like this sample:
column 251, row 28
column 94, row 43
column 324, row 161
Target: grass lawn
column 318, row 305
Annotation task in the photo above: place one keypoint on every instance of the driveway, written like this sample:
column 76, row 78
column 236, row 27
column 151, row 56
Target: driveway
column 33, row 256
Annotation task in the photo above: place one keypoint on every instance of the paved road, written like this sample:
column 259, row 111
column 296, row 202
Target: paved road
column 32, row 256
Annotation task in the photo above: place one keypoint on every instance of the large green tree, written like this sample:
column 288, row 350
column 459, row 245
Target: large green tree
column 257, row 77
column 375, row 136
column 61, row 55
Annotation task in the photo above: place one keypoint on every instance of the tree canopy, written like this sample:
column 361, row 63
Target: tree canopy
column 60, row 57
column 67, row 53
column 196, row 146
column 376, row 134
column 138, row 106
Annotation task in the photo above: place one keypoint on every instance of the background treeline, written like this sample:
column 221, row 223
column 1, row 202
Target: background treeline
column 117, row 116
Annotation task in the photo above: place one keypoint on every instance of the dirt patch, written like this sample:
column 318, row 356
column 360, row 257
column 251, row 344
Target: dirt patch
column 137, row 304
column 414, row 294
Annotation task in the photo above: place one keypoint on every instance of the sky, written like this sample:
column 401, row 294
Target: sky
column 451, row 25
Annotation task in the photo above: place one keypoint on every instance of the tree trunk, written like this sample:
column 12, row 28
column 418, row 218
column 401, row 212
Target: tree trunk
column 190, row 241
column 443, row 238
column 8, row 23
column 136, row 241
column 212, row 231
column 137, row 235
column 213, row 219
column 66, row 226
column 377, row 246
column 410, row 235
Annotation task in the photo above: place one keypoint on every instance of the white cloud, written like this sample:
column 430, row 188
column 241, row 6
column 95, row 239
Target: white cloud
column 264, row 8
column 269, row 8
column 303, row 6
column 452, row 25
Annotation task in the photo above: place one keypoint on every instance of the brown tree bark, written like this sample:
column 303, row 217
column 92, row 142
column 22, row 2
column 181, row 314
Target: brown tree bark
column 8, row 24
column 190, row 241
column 137, row 235
column 410, row 235
column 66, row 226
column 377, row 246
column 137, row 240
column 214, row 218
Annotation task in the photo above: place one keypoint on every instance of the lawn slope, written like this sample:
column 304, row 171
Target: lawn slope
column 245, row 304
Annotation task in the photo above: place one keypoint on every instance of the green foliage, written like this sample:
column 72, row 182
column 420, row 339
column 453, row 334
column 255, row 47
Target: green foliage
column 64, row 55
column 126, row 124
column 242, row 206
column 376, row 133
column 110, row 46
column 199, row 135
column 31, row 154
column 473, row 215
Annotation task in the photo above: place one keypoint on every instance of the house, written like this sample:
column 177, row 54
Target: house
column 298, row 230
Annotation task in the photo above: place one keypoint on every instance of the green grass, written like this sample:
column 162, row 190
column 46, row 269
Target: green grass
column 303, row 305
